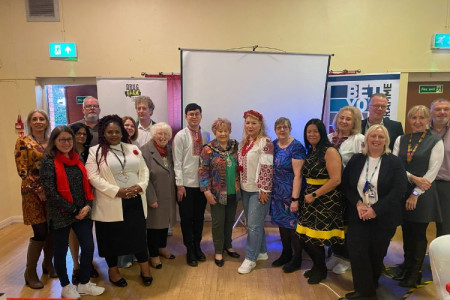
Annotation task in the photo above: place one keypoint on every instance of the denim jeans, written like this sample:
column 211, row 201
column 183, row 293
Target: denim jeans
column 255, row 213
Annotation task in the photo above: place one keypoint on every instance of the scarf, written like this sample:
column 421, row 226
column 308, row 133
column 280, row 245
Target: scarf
column 62, row 183
column 162, row 151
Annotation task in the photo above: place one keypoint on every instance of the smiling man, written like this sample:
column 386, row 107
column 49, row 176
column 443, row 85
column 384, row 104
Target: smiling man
column 377, row 110
column 144, row 110
column 440, row 115
column 187, row 145
column 91, row 111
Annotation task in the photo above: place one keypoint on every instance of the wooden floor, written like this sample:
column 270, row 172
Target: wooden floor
column 176, row 280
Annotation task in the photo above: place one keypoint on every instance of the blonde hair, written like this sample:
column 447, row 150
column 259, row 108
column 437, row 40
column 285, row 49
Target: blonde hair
column 356, row 115
column 262, row 132
column 387, row 140
column 43, row 113
column 422, row 108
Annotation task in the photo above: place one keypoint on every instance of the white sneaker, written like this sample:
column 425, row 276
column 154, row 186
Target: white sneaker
column 69, row 291
column 90, row 289
column 341, row 267
column 332, row 262
column 263, row 256
column 247, row 266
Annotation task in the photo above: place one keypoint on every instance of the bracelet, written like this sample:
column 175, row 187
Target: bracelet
column 294, row 199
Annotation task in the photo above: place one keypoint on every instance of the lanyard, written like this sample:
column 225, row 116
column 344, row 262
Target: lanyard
column 368, row 182
column 124, row 158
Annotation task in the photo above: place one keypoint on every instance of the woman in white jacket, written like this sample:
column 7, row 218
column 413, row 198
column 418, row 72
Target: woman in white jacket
column 348, row 140
column 120, row 176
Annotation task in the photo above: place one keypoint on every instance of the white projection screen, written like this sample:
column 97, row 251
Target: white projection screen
column 227, row 83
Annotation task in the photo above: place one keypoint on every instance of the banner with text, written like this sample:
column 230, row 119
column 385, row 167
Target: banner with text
column 115, row 96
column 356, row 90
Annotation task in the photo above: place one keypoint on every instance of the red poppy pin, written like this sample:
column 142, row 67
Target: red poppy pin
column 135, row 152
column 240, row 168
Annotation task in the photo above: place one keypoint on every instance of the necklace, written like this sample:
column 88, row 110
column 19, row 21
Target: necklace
column 124, row 158
column 247, row 147
column 40, row 143
column 410, row 153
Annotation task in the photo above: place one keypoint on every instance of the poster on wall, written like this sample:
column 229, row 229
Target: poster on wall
column 356, row 90
column 115, row 96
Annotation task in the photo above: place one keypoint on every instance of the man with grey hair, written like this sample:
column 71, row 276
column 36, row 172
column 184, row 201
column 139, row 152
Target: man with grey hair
column 377, row 109
column 91, row 111
column 144, row 109
column 440, row 116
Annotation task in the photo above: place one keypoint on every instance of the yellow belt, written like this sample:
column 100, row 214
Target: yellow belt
column 313, row 181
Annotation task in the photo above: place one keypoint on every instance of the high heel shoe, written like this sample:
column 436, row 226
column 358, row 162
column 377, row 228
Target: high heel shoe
column 155, row 262
column 120, row 283
column 232, row 253
column 146, row 280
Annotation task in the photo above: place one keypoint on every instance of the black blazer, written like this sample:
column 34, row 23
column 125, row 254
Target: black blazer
column 394, row 128
column 391, row 188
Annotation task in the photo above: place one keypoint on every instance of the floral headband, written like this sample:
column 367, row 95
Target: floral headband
column 253, row 114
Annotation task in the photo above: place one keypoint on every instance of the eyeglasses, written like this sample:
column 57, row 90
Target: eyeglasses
column 67, row 140
column 89, row 106
column 378, row 106
column 81, row 134
column 282, row 127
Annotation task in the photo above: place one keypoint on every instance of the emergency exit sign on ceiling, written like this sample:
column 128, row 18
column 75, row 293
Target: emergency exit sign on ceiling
column 431, row 89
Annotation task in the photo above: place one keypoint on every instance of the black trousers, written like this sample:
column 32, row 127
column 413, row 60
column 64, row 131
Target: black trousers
column 192, row 216
column 156, row 238
column 414, row 244
column 83, row 231
column 367, row 246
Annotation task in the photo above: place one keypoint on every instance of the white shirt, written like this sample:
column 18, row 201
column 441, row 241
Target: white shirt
column 257, row 166
column 353, row 144
column 144, row 135
column 436, row 158
column 373, row 163
column 185, row 163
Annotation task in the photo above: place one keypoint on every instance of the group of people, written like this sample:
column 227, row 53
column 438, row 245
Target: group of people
column 133, row 180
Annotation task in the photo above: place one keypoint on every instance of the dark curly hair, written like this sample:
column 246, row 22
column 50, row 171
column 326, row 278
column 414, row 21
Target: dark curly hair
column 103, row 144
column 324, row 142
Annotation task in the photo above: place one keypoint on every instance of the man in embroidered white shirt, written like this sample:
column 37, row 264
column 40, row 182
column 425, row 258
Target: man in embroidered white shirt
column 187, row 146
column 144, row 109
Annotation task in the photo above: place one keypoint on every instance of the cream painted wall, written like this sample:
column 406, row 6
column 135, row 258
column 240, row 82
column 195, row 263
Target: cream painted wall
column 118, row 38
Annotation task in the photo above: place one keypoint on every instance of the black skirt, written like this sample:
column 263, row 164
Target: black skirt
column 124, row 237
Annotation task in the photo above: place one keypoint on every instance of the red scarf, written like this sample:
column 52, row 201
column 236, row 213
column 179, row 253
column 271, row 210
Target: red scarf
column 162, row 151
column 62, row 183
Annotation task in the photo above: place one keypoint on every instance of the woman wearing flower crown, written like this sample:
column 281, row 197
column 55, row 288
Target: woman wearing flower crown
column 255, row 163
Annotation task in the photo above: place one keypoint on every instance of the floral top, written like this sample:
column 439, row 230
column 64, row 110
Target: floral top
column 256, row 165
column 28, row 154
column 212, row 169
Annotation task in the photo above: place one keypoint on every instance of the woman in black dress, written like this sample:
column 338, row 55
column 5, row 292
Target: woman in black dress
column 320, row 221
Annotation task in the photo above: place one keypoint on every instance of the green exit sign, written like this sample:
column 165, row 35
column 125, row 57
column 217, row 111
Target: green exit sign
column 441, row 41
column 62, row 50
column 431, row 89
column 80, row 99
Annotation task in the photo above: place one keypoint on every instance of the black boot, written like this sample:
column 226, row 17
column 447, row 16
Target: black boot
column 199, row 253
column 284, row 258
column 191, row 258
column 413, row 274
column 399, row 272
column 294, row 264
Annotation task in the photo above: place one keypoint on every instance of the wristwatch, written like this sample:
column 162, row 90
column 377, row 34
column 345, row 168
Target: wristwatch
column 314, row 195
column 294, row 199
column 415, row 193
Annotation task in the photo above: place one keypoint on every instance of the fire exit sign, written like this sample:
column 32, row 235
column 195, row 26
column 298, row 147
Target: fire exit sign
column 431, row 89
column 62, row 50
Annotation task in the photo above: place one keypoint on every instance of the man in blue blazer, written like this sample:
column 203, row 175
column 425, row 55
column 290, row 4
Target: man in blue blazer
column 377, row 109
